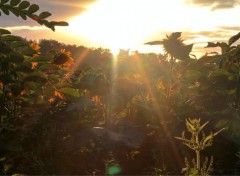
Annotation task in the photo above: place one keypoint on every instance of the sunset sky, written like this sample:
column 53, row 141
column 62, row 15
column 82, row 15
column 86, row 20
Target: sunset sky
column 127, row 24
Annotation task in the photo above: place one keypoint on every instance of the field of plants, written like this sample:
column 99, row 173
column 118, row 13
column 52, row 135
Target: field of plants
column 72, row 110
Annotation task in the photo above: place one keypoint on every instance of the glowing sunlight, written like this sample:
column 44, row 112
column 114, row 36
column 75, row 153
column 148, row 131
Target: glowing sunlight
column 121, row 23
column 126, row 24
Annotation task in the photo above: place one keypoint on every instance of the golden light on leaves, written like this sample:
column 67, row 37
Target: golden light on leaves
column 63, row 58
column 36, row 47
column 34, row 65
column 96, row 99
column 58, row 94
column 51, row 100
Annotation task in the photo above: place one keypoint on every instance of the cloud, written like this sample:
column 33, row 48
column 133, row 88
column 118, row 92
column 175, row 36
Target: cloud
column 230, row 28
column 215, row 4
column 201, row 38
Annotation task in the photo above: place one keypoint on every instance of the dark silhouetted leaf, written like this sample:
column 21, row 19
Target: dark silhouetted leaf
column 59, row 23
column 5, row 10
column 33, row 8
column 28, row 51
column 17, row 44
column 44, row 15
column 81, row 103
column 5, row 49
column 4, row 1
column 11, row 38
column 4, row 31
column 15, row 57
column 15, row 12
column 36, row 78
column 233, row 39
column 154, row 43
column 39, row 59
column 14, row 2
column 23, row 5
column 219, row 72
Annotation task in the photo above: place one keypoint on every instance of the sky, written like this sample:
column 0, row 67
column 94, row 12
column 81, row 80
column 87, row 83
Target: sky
column 129, row 24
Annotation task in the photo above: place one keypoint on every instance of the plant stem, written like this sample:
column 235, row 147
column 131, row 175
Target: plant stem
column 198, row 160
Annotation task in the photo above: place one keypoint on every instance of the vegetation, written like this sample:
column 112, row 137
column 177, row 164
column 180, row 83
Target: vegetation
column 98, row 116
column 197, row 144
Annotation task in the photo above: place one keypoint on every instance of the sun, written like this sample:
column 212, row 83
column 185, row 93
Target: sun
column 121, row 24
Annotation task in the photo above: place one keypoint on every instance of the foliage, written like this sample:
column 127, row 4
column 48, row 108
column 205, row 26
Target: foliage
column 64, row 107
column 198, row 144
column 25, row 9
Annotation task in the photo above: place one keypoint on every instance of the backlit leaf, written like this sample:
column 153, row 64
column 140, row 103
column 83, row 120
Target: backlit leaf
column 69, row 92
column 219, row 72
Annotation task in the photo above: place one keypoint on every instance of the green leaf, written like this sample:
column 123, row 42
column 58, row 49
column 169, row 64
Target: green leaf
column 47, row 67
column 15, row 12
column 206, row 139
column 47, row 24
column 70, row 92
column 4, row 1
column 24, row 68
column 11, row 38
column 201, row 127
column 4, row 31
column 5, row 10
column 224, row 47
column 233, row 39
column 5, row 49
column 216, row 133
column 33, row 8
column 219, row 72
column 15, row 57
column 39, row 59
column 36, row 77
column 193, row 75
column 59, row 23
column 17, row 44
column 23, row 5
column 189, row 126
column 23, row 16
column 44, row 15
column 14, row 2
column 28, row 52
